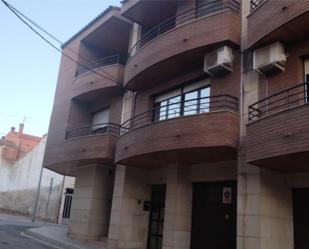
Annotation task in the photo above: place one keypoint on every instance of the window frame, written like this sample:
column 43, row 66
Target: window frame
column 157, row 111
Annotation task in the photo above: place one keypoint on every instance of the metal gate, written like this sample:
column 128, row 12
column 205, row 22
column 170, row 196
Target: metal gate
column 67, row 204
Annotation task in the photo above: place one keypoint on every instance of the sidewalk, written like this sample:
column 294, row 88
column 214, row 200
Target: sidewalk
column 56, row 235
column 53, row 234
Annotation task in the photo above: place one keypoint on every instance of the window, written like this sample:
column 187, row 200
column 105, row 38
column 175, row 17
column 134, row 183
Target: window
column 100, row 121
column 189, row 100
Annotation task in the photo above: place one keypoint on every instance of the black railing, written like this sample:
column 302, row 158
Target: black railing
column 283, row 100
column 172, row 22
column 91, row 130
column 182, row 108
column 106, row 61
column 254, row 4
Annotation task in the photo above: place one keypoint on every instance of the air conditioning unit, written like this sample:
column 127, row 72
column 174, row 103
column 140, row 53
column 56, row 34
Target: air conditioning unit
column 269, row 59
column 219, row 62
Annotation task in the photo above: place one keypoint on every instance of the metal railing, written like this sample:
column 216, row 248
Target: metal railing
column 254, row 4
column 92, row 130
column 106, row 61
column 283, row 100
column 181, row 108
column 172, row 22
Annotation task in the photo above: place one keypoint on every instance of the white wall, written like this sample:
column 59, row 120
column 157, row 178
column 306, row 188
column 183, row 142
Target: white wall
column 19, row 184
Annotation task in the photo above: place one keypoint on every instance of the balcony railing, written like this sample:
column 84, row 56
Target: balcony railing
column 92, row 130
column 179, row 109
column 254, row 4
column 172, row 22
column 292, row 97
column 106, row 61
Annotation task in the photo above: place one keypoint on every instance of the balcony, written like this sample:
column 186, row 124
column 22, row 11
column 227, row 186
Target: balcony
column 271, row 20
column 180, row 41
column 193, row 131
column 104, row 73
column 277, row 133
column 84, row 145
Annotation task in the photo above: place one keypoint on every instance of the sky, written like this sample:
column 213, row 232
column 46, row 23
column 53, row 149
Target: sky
column 28, row 66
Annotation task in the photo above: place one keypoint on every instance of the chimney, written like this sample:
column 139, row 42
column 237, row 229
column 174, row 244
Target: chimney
column 21, row 128
column 12, row 129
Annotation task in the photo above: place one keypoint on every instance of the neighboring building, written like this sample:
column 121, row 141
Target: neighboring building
column 17, row 144
column 187, row 126
column 20, row 179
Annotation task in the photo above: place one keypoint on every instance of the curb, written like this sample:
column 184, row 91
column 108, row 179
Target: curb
column 50, row 241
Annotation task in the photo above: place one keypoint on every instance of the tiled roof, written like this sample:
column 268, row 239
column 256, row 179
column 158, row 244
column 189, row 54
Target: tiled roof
column 105, row 12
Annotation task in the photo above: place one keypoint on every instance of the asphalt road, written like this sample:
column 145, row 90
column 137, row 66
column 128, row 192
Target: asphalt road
column 11, row 238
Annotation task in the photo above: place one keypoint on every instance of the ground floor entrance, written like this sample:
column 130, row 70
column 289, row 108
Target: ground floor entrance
column 156, row 217
column 214, row 215
column 301, row 218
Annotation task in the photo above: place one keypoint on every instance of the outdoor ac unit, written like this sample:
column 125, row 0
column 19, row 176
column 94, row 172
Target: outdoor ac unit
column 219, row 62
column 269, row 59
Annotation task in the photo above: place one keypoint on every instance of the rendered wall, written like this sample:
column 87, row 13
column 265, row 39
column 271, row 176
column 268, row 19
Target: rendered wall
column 19, row 185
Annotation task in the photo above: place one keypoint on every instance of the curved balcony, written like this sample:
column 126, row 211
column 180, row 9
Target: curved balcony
column 180, row 41
column 203, row 130
column 84, row 145
column 106, row 72
column 277, row 133
column 271, row 20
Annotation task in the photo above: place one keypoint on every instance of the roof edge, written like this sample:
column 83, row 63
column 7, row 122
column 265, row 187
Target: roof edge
column 104, row 13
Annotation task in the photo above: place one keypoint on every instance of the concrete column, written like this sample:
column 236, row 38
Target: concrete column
column 129, row 222
column 265, row 209
column 91, row 205
column 178, row 209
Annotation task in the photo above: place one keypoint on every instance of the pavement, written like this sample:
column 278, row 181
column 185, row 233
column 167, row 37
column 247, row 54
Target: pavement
column 17, row 232
column 11, row 238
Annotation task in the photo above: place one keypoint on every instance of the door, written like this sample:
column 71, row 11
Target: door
column 156, row 217
column 301, row 218
column 214, row 216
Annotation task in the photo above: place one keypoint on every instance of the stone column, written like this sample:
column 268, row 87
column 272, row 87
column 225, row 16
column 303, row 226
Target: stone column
column 91, row 205
column 265, row 209
column 129, row 222
column 178, row 209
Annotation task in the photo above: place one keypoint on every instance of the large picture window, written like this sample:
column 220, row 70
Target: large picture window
column 188, row 100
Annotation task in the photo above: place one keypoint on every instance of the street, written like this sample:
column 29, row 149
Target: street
column 11, row 238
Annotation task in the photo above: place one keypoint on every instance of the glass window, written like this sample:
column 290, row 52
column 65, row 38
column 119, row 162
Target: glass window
column 184, row 103
column 204, row 100
column 100, row 120
column 162, row 110
column 197, row 101
column 191, row 103
column 173, row 107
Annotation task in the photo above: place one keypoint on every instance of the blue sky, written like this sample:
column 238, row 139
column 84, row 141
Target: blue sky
column 28, row 66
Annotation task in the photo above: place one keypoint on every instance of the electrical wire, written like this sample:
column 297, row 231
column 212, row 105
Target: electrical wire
column 20, row 16
column 52, row 36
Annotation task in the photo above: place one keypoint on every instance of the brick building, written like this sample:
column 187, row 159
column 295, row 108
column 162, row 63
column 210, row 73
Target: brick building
column 17, row 144
column 186, row 125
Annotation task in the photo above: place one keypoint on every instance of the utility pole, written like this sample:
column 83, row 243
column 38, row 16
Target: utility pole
column 37, row 196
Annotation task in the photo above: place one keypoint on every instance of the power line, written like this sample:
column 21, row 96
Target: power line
column 20, row 16
column 51, row 35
